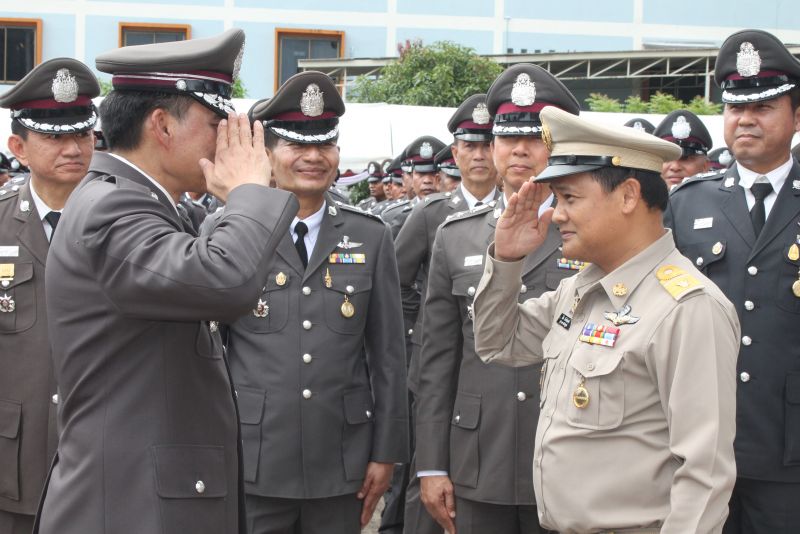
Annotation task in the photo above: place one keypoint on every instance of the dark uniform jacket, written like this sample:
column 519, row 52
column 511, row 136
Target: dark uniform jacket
column 149, row 439
column 477, row 421
column 712, row 227
column 395, row 215
column 27, row 389
column 322, row 394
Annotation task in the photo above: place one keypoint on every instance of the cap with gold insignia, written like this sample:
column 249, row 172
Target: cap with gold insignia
column 306, row 109
column 375, row 172
column 203, row 69
column 54, row 98
column 753, row 65
column 419, row 154
column 579, row 145
column 686, row 130
column 721, row 158
column 518, row 95
column 471, row 121
column 643, row 125
column 446, row 163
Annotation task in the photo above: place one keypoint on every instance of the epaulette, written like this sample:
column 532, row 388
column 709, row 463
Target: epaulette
column 11, row 188
column 677, row 282
column 474, row 212
column 354, row 209
column 702, row 177
column 436, row 197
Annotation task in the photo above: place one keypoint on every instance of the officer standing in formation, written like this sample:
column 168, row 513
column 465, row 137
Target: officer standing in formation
column 635, row 430
column 741, row 226
column 686, row 130
column 720, row 158
column 52, row 120
column 376, row 193
column 149, row 430
column 449, row 175
column 318, row 360
column 476, row 423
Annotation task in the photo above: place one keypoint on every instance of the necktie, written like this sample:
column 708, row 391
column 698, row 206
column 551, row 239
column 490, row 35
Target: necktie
column 758, row 213
column 52, row 218
column 479, row 203
column 301, row 230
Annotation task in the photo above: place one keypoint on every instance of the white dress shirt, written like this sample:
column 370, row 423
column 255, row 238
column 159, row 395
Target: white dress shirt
column 42, row 209
column 471, row 200
column 777, row 177
column 313, row 222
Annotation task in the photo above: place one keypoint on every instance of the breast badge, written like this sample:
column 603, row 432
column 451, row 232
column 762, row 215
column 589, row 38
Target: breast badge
column 621, row 316
column 261, row 310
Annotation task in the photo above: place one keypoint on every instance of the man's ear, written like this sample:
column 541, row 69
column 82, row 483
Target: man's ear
column 160, row 125
column 631, row 191
column 17, row 146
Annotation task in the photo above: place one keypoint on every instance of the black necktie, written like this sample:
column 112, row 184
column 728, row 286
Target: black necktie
column 478, row 204
column 52, row 219
column 301, row 230
column 758, row 213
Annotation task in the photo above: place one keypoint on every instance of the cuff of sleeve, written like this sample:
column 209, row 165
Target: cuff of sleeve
column 431, row 473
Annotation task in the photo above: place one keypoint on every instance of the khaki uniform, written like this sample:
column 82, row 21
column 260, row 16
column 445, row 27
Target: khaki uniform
column 653, row 447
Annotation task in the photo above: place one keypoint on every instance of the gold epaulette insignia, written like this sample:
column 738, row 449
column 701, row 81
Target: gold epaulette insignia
column 676, row 281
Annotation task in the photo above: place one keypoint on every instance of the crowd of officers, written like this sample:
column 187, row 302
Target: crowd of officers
column 547, row 325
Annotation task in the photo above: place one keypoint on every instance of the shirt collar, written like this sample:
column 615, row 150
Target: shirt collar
column 153, row 180
column 313, row 221
column 472, row 200
column 776, row 177
column 41, row 206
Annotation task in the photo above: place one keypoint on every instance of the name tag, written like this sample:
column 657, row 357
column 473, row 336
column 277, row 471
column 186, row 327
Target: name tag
column 9, row 251
column 705, row 222
column 471, row 261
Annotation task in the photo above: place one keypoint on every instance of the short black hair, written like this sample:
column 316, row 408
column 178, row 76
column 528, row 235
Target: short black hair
column 122, row 114
column 794, row 95
column 20, row 130
column 270, row 139
column 654, row 189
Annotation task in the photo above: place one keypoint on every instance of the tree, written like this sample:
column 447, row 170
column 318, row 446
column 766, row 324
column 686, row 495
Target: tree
column 443, row 74
column 601, row 102
column 660, row 103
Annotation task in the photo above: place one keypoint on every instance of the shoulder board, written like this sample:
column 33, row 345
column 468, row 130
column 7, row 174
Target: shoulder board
column 702, row 177
column 9, row 190
column 436, row 197
column 353, row 209
column 677, row 282
column 468, row 214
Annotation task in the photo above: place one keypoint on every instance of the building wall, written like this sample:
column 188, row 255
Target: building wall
column 372, row 28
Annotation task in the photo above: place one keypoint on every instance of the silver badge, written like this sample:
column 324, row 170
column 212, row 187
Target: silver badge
column 371, row 168
column 480, row 115
column 311, row 103
column 524, row 91
column 796, row 186
column 261, row 310
column 748, row 62
column 7, row 304
column 681, row 128
column 181, row 85
column 638, row 126
column 65, row 87
column 725, row 158
column 347, row 244
column 24, row 206
column 237, row 63
column 426, row 150
column 728, row 182
column 331, row 211
column 621, row 316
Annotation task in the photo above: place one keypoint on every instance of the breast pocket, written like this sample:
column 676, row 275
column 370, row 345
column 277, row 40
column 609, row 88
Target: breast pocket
column 596, row 388
column 706, row 255
column 464, row 289
column 789, row 281
column 270, row 311
column 347, row 301
column 18, row 300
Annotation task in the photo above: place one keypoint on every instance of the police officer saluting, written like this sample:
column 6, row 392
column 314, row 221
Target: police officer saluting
column 51, row 132
column 686, row 130
column 741, row 226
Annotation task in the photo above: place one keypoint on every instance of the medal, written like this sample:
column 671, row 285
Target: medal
column 7, row 304
column 599, row 335
column 6, row 274
column 580, row 397
column 794, row 252
column 795, row 288
column 262, row 309
column 280, row 279
column 348, row 310
column 328, row 280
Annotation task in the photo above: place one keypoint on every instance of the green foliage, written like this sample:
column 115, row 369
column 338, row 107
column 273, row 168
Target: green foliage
column 358, row 192
column 239, row 90
column 443, row 74
column 105, row 87
column 660, row 103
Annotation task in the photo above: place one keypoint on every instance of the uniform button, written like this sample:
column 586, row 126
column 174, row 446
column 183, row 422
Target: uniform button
column 748, row 305
column 744, row 376
column 306, row 290
column 523, row 289
column 471, row 291
column 752, row 270
column 590, row 366
column 410, row 331
column 200, row 486
column 699, row 261
column 54, row 399
column 349, row 289
column 746, row 341
column 306, row 393
column 307, row 358
column 521, row 396
column 369, row 414
column 457, row 418
column 307, row 325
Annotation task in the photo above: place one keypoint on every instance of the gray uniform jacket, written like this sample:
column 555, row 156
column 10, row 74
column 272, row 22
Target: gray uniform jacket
column 27, row 388
column 477, row 421
column 712, row 228
column 148, row 423
column 322, row 394
column 395, row 215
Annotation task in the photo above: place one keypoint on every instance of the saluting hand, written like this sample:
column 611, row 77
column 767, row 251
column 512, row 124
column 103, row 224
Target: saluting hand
column 521, row 229
column 240, row 157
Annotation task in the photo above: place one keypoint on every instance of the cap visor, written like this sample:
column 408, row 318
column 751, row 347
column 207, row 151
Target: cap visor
column 558, row 171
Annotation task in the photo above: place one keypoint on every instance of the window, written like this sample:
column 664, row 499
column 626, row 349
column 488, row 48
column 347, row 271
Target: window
column 293, row 45
column 20, row 48
column 131, row 33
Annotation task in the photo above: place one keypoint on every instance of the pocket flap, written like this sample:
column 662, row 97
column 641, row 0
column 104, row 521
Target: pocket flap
column 277, row 280
column 351, row 283
column 251, row 404
column 793, row 388
column 358, row 406
column 10, row 416
column 595, row 360
column 466, row 285
column 554, row 277
column 467, row 411
column 190, row 471
column 23, row 272
column 706, row 253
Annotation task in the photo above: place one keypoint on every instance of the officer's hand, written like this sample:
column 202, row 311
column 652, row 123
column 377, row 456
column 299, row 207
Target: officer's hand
column 240, row 157
column 521, row 230
column 436, row 493
column 376, row 482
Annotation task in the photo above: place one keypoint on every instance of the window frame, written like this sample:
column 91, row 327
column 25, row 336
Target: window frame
column 152, row 26
column 36, row 24
column 300, row 32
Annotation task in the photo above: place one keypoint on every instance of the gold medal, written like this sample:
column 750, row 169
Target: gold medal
column 280, row 279
column 619, row 290
column 328, row 280
column 580, row 397
column 796, row 288
column 348, row 310
column 794, row 252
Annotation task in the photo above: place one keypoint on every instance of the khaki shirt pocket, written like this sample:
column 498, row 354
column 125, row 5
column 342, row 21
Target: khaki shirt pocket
column 347, row 302
column 270, row 311
column 19, row 294
column 600, row 370
column 550, row 355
